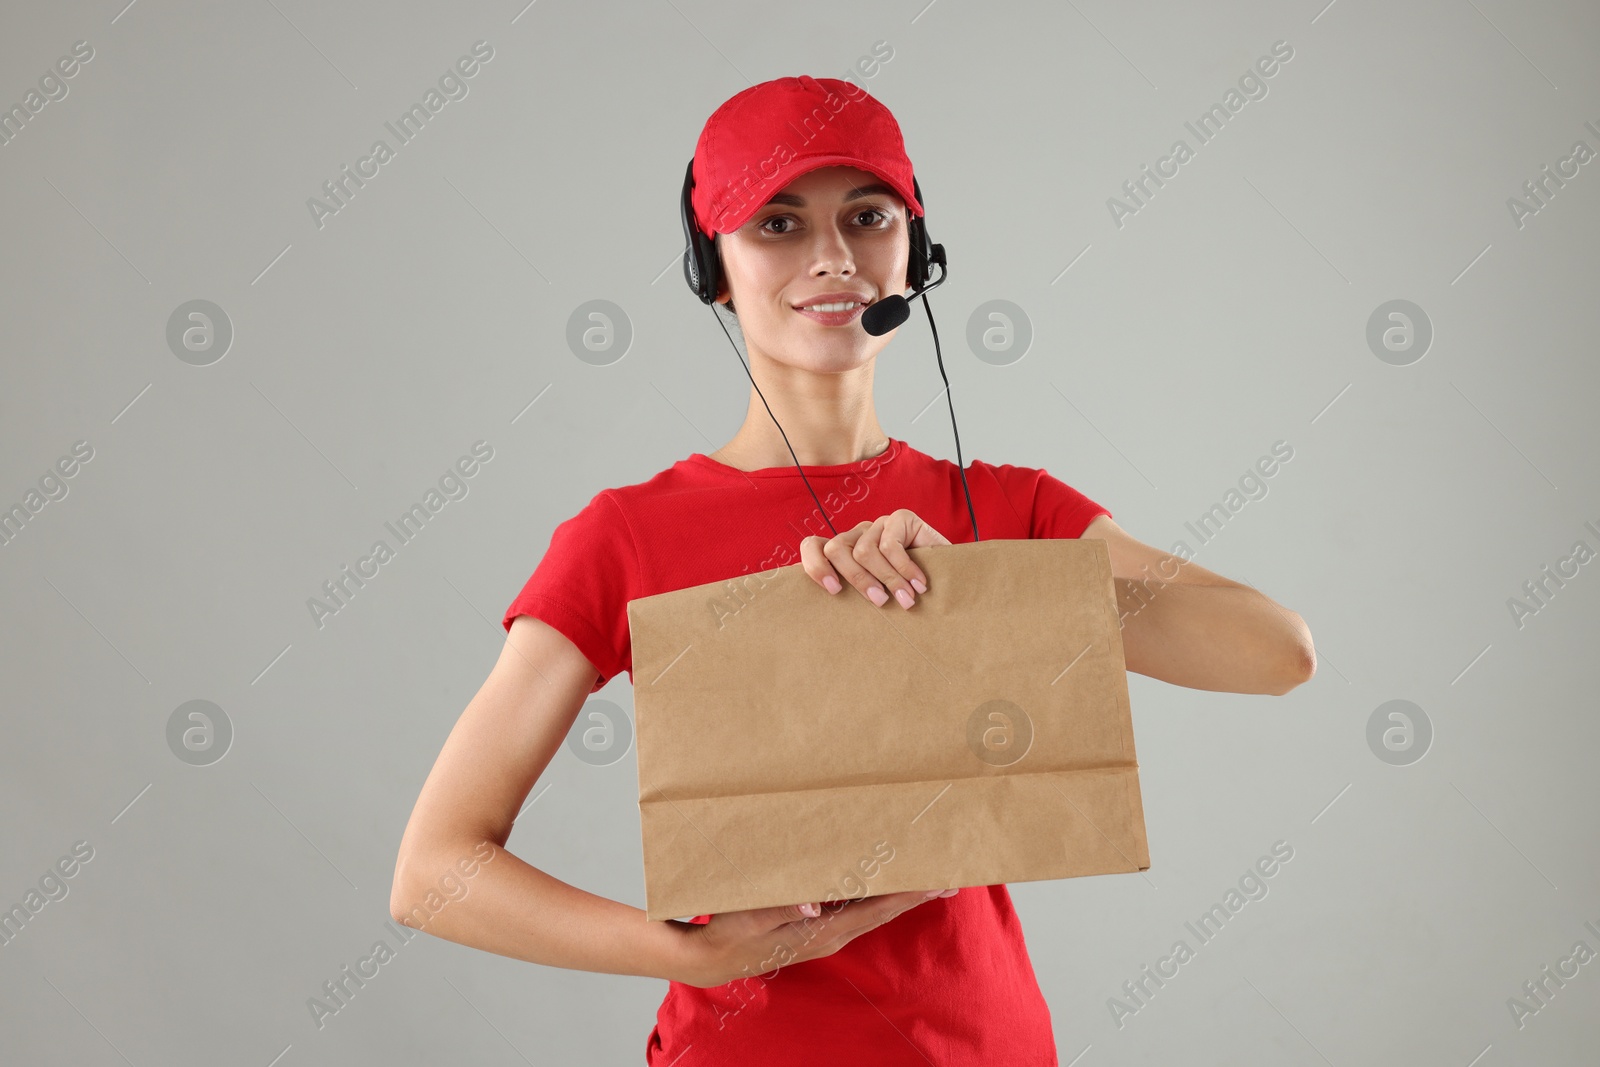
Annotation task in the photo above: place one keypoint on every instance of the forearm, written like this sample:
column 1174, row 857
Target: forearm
column 1223, row 638
column 511, row 908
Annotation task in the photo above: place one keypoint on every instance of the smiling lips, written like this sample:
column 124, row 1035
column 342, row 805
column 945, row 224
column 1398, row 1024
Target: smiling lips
column 834, row 309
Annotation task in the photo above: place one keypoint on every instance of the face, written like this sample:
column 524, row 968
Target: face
column 834, row 230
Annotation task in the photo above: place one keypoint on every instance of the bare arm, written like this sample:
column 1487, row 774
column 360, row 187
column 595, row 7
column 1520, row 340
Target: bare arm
column 1192, row 627
column 499, row 747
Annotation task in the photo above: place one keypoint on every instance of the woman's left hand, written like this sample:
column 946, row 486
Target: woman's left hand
column 872, row 557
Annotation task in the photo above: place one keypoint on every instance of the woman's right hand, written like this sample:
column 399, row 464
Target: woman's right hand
column 735, row 944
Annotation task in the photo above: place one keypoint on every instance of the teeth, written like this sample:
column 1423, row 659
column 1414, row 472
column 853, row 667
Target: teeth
column 845, row 306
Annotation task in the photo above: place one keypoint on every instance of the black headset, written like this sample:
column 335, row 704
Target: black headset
column 702, row 269
column 702, row 265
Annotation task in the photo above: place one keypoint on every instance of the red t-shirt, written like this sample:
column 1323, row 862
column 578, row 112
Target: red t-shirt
column 948, row 982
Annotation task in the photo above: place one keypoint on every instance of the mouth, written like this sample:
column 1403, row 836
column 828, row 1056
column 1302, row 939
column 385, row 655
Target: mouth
column 834, row 312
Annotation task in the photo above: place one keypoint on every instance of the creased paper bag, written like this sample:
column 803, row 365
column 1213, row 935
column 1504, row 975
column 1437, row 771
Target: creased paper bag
column 798, row 746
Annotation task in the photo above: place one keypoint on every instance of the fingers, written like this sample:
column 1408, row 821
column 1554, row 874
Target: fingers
column 878, row 911
column 863, row 915
column 773, row 918
column 885, row 569
column 734, row 943
column 836, row 562
column 903, row 529
column 815, row 561
column 838, row 924
column 882, row 567
column 872, row 557
column 859, row 562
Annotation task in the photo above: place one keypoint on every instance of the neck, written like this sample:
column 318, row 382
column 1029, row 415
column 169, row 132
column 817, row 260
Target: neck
column 756, row 447
column 828, row 418
column 820, row 437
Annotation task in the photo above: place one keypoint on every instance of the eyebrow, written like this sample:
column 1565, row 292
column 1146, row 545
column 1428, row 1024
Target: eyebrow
column 854, row 194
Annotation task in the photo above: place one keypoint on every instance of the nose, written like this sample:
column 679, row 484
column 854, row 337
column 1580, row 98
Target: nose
column 832, row 254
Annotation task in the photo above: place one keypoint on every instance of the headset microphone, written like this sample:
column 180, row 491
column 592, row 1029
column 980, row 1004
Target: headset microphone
column 891, row 311
column 702, row 269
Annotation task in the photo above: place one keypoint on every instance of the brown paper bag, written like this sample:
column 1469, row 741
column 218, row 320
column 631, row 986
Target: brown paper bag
column 796, row 746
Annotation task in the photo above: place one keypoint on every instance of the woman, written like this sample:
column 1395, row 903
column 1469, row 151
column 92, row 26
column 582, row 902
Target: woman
column 803, row 191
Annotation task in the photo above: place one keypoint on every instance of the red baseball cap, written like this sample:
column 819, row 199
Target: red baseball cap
column 765, row 137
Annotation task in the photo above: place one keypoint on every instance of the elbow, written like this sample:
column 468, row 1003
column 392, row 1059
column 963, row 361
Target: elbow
column 401, row 907
column 426, row 882
column 402, row 900
column 411, row 891
column 1301, row 667
column 413, row 908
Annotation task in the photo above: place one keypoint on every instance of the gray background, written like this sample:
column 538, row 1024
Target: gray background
column 369, row 354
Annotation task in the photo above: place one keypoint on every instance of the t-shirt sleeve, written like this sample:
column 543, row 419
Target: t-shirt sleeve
column 583, row 583
column 1052, row 507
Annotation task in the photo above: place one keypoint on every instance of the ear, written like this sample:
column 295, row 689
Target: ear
column 724, row 293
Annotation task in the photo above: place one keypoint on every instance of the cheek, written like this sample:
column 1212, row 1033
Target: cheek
column 760, row 278
column 892, row 260
column 889, row 270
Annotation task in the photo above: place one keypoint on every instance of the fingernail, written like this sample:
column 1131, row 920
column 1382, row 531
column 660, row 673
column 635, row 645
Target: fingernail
column 919, row 585
column 950, row 892
column 877, row 596
column 831, row 584
column 904, row 597
column 932, row 893
column 810, row 909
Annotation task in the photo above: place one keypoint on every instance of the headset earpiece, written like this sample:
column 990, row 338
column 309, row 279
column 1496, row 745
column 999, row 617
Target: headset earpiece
column 701, row 267
column 918, row 268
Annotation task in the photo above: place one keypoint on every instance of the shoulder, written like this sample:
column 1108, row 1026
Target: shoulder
column 1021, row 482
column 1004, row 473
column 1007, row 474
column 1049, row 506
column 624, row 503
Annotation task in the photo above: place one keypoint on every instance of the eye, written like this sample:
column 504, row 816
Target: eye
column 879, row 219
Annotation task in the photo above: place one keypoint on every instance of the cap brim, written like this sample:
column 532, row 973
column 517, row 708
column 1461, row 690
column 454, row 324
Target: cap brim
column 799, row 168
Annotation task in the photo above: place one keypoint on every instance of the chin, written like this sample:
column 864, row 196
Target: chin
column 842, row 355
